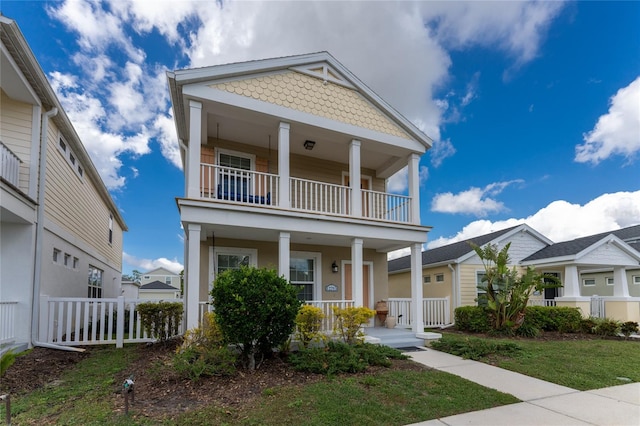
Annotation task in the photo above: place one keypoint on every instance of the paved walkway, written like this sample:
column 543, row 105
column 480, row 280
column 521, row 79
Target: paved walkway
column 543, row 403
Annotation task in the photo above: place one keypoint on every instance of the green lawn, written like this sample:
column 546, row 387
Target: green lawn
column 87, row 396
column 578, row 364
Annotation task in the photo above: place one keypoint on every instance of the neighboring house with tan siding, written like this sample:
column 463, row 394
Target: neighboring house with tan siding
column 286, row 162
column 455, row 270
column 61, row 231
column 606, row 264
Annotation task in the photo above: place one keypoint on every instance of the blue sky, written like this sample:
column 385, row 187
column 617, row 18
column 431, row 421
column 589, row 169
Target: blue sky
column 534, row 107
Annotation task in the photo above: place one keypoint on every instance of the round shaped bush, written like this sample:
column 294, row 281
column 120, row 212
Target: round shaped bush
column 256, row 310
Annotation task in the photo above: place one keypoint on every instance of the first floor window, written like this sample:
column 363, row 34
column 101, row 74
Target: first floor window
column 609, row 281
column 482, row 294
column 56, row 255
column 439, row 278
column 427, row 279
column 589, row 282
column 228, row 261
column 636, row 279
column 95, row 282
column 302, row 275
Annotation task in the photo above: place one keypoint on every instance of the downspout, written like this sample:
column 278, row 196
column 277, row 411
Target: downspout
column 35, row 306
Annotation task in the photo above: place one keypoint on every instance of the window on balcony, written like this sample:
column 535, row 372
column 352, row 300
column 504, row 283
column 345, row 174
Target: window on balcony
column 234, row 184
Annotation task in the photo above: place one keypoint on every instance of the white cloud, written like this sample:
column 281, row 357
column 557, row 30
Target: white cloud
column 132, row 92
column 562, row 221
column 618, row 131
column 144, row 265
column 476, row 201
column 441, row 150
column 399, row 182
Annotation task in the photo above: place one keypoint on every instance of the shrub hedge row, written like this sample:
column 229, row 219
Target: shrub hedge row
column 476, row 319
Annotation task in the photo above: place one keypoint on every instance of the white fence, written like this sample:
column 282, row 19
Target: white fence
column 244, row 186
column 319, row 197
column 72, row 321
column 436, row 312
column 597, row 307
column 7, row 322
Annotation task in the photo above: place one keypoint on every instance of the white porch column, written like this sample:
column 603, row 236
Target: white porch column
column 192, row 288
column 414, row 187
column 620, row 286
column 283, row 167
column 193, row 157
column 571, row 281
column 284, row 255
column 356, row 272
column 416, row 288
column 355, row 178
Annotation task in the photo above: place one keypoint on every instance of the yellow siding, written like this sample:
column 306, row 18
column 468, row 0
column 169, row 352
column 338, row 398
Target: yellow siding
column 400, row 284
column 468, row 289
column 314, row 96
column 75, row 204
column 16, row 134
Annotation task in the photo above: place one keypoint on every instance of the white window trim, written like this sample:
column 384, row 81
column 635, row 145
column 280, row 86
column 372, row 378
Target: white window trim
column 439, row 275
column 426, row 279
column 606, row 280
column 584, row 282
column 635, row 279
column 213, row 256
column 317, row 280
column 478, row 291
column 251, row 157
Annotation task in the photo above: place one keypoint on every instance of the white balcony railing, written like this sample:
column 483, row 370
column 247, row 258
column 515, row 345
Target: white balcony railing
column 243, row 186
column 541, row 302
column 258, row 188
column 7, row 322
column 436, row 312
column 319, row 197
column 385, row 206
column 9, row 165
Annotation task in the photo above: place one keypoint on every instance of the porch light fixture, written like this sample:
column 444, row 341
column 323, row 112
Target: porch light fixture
column 334, row 267
column 308, row 145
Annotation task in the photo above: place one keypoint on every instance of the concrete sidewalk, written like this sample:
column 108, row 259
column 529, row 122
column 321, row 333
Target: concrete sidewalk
column 543, row 403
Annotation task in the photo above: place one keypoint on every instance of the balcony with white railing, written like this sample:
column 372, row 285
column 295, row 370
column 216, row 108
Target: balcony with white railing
column 9, row 165
column 237, row 185
column 262, row 189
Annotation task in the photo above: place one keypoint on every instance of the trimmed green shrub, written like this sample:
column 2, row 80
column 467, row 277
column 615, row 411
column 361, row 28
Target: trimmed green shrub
column 474, row 319
column 339, row 357
column 474, row 348
column 256, row 310
column 628, row 328
column 527, row 329
column 553, row 318
column 588, row 325
column 161, row 320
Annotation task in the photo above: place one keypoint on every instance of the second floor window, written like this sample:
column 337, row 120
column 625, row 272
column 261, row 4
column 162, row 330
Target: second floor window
column 110, row 228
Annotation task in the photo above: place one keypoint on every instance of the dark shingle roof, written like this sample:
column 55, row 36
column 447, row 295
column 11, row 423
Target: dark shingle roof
column 449, row 252
column 568, row 248
column 157, row 285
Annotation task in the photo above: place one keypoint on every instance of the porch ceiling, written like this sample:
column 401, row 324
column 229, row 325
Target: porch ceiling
column 253, row 128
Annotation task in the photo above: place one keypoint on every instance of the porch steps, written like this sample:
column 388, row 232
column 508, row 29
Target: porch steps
column 399, row 338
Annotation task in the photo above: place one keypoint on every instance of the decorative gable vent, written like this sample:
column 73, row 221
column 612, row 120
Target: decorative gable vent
column 324, row 72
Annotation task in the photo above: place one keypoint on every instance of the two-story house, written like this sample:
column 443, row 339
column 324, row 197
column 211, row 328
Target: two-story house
column 286, row 164
column 61, row 233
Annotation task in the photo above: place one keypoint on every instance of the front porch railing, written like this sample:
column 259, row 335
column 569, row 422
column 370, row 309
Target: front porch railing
column 7, row 322
column 9, row 165
column 542, row 302
column 436, row 312
column 385, row 206
column 327, row 309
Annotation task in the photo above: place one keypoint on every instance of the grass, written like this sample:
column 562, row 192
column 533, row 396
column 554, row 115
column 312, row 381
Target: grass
column 83, row 396
column 87, row 395
column 388, row 398
column 578, row 364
